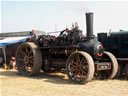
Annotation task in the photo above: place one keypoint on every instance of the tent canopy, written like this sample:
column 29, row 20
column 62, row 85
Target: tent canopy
column 12, row 40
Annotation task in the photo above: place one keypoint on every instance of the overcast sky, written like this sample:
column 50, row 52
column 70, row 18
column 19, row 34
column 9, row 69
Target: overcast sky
column 45, row 15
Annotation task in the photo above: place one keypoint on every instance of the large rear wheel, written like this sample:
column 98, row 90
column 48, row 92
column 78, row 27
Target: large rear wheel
column 80, row 67
column 28, row 59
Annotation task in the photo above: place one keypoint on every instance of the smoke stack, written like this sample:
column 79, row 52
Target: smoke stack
column 89, row 25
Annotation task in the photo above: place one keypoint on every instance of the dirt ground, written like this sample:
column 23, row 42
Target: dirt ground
column 57, row 84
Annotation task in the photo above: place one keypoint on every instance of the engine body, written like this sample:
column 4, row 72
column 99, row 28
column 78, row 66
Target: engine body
column 74, row 37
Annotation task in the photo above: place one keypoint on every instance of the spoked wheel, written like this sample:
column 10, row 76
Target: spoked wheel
column 28, row 59
column 110, row 73
column 126, row 71
column 80, row 67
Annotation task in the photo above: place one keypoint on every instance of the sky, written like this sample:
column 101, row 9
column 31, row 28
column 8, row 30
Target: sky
column 50, row 16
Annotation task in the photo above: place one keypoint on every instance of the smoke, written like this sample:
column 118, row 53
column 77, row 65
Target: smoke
column 80, row 7
column 74, row 6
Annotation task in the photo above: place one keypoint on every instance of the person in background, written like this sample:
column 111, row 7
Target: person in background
column 32, row 36
column 13, row 63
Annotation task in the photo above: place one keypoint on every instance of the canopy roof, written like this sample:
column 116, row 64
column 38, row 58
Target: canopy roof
column 11, row 40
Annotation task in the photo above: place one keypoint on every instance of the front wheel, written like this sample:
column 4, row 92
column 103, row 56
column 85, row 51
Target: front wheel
column 80, row 67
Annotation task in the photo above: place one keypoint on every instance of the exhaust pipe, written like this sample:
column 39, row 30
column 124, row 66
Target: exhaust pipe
column 89, row 25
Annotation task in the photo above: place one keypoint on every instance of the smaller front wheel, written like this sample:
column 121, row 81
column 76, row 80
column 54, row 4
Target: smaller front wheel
column 80, row 67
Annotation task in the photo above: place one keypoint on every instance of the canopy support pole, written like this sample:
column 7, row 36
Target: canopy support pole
column 4, row 52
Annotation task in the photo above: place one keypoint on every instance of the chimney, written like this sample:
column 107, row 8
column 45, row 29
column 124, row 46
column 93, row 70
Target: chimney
column 89, row 25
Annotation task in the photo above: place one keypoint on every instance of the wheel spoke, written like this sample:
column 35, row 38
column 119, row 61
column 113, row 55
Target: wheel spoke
column 74, row 66
column 26, row 49
column 83, row 59
column 78, row 58
column 28, row 69
column 28, row 64
column 23, row 66
column 29, row 52
column 23, row 53
column 84, row 72
column 31, row 64
column 76, row 72
column 85, row 67
column 81, row 76
column 31, row 57
column 73, row 70
column 31, row 61
column 73, row 62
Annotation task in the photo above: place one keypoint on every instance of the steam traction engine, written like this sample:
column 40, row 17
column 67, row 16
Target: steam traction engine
column 81, row 57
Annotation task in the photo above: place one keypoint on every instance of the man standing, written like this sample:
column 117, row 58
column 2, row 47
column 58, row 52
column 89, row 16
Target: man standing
column 33, row 35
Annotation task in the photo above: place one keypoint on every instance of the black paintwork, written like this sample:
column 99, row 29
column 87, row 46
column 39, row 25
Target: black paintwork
column 115, row 42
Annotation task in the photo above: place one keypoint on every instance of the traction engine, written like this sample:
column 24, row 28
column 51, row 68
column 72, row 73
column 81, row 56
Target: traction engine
column 81, row 57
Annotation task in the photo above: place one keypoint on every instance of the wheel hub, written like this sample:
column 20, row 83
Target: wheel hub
column 83, row 67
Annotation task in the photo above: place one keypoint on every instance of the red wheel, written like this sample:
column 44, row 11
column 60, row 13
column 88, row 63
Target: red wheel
column 80, row 67
column 28, row 59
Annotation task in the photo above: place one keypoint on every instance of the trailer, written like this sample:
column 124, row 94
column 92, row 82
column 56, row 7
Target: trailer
column 117, row 43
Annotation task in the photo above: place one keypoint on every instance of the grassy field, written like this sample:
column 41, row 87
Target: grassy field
column 57, row 84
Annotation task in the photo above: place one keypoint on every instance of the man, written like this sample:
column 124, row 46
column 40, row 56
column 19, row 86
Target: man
column 32, row 36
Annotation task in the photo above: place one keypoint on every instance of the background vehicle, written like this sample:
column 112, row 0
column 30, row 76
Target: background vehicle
column 117, row 43
column 81, row 57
